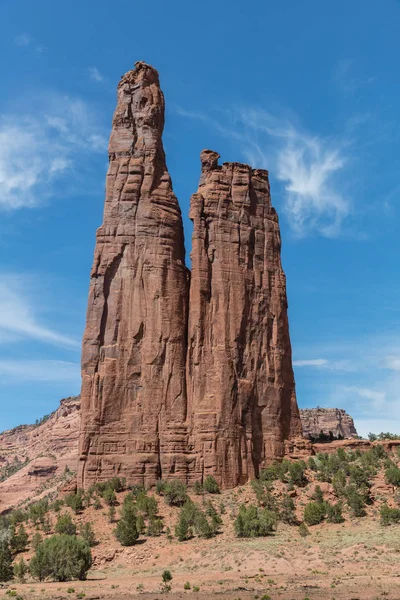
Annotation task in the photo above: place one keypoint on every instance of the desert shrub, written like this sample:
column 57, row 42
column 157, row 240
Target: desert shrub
column 210, row 485
column 187, row 586
column 155, row 527
column 359, row 476
column 314, row 513
column 175, row 492
column 109, row 496
column 303, row 530
column 6, row 568
column 57, row 504
column 97, row 504
column 392, row 475
column 147, row 504
column 20, row 570
column 355, row 500
column 334, row 513
column 65, row 525
column 86, row 532
column 275, row 471
column 36, row 540
column 75, row 501
column 287, row 512
column 140, row 524
column 297, row 472
column 160, row 487
column 127, row 531
column 198, row 488
column 253, row 521
column 19, row 540
column 318, row 495
column 183, row 530
column 37, row 511
column 137, row 489
column 166, row 578
column 339, row 482
column 389, row 516
column 311, row 464
column 342, row 455
column 61, row 557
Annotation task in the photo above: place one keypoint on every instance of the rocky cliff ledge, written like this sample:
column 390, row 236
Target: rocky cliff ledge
column 324, row 420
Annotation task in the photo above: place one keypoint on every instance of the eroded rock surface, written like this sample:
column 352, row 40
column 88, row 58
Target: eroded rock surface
column 134, row 347
column 157, row 400
column 325, row 420
column 35, row 458
column 241, row 391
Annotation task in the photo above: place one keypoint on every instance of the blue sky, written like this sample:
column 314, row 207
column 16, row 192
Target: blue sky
column 309, row 90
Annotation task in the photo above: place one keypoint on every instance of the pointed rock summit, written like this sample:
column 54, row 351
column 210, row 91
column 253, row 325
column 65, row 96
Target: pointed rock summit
column 183, row 377
column 134, row 346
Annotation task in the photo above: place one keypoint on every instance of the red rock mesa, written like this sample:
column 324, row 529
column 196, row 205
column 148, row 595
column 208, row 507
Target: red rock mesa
column 159, row 399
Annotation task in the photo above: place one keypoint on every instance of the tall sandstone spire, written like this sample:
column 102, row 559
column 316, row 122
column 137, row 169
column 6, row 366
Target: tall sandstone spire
column 134, row 347
column 174, row 386
column 241, row 393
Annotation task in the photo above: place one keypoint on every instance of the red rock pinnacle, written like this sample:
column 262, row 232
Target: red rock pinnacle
column 138, row 419
column 134, row 347
column 241, row 390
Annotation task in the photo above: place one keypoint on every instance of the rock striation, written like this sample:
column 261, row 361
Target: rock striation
column 325, row 420
column 241, row 391
column 134, row 346
column 182, row 376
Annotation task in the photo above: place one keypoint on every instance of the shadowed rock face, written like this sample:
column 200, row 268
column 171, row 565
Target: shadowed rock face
column 134, row 347
column 138, row 421
column 241, row 393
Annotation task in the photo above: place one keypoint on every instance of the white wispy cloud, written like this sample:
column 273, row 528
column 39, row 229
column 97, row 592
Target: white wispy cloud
column 22, row 371
column 18, row 316
column 314, row 362
column 308, row 165
column 35, row 150
column 378, row 397
column 23, row 39
column 95, row 74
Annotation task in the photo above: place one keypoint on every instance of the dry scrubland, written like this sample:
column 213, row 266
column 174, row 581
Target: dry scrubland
column 356, row 558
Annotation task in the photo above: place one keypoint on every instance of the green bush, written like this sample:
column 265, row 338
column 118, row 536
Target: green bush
column 318, row 495
column 287, row 512
column 61, row 557
column 160, row 487
column 6, row 568
column 19, row 540
column 20, row 570
column 314, row 513
column 356, row 501
column 297, row 472
column 75, row 501
column 36, row 540
column 334, row 513
column 127, row 531
column 86, row 532
column 303, row 530
column 210, row 485
column 392, row 475
column 147, row 505
column 65, row 525
column 389, row 516
column 175, row 493
column 339, row 482
column 198, row 488
column 166, row 577
column 155, row 527
column 253, row 521
column 109, row 496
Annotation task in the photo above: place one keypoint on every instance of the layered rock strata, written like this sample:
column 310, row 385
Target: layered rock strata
column 134, row 346
column 241, row 392
column 327, row 420
column 173, row 387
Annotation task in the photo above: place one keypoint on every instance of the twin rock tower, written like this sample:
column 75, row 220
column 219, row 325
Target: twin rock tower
column 184, row 374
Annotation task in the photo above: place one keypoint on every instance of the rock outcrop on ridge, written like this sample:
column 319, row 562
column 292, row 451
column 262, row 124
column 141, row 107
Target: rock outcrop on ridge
column 173, row 387
column 241, row 392
column 34, row 459
column 134, row 346
column 325, row 420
